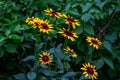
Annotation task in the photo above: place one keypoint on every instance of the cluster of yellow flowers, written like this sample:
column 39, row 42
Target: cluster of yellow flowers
column 45, row 27
column 42, row 25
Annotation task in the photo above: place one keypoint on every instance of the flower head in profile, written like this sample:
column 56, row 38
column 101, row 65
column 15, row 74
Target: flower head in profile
column 94, row 42
column 71, row 20
column 68, row 33
column 68, row 50
column 45, row 27
column 30, row 20
column 45, row 58
column 74, row 55
column 89, row 71
column 51, row 12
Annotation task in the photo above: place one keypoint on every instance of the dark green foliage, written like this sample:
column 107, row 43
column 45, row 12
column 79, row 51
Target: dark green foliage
column 20, row 44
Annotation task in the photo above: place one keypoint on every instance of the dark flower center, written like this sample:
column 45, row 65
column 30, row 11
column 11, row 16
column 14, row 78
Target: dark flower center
column 45, row 26
column 36, row 24
column 69, row 51
column 68, row 33
column 70, row 19
column 90, row 70
column 54, row 13
column 94, row 41
column 45, row 58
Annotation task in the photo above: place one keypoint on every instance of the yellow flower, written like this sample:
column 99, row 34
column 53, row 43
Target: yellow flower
column 50, row 12
column 45, row 58
column 69, row 34
column 74, row 55
column 94, row 42
column 36, row 22
column 68, row 50
column 30, row 20
column 89, row 71
column 70, row 20
column 45, row 27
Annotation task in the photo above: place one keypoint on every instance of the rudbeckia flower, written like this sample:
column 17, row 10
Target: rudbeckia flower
column 68, row 33
column 74, row 55
column 71, row 20
column 45, row 27
column 45, row 58
column 36, row 22
column 94, row 42
column 50, row 12
column 30, row 20
column 68, row 50
column 89, row 71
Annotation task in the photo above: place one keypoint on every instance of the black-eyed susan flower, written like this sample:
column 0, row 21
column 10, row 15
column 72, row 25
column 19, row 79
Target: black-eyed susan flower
column 45, row 58
column 94, row 42
column 89, row 71
column 74, row 55
column 36, row 22
column 69, row 34
column 51, row 12
column 71, row 20
column 68, row 50
column 30, row 20
column 45, row 27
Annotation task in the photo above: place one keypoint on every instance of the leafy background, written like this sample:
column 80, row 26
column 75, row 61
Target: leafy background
column 19, row 44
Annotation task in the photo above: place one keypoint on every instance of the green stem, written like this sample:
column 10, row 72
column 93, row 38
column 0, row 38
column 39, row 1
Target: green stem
column 65, row 43
column 89, row 60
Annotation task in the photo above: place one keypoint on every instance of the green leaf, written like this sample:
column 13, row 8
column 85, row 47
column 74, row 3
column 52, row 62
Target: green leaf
column 40, row 45
column 94, row 10
column 1, row 52
column 111, row 37
column 75, row 5
column 29, row 35
column 100, row 4
column 99, row 63
column 11, row 48
column 74, row 12
column 86, row 17
column 67, row 75
column 18, row 28
column 89, row 29
column 90, row 50
column 111, row 73
column 110, row 10
column 79, row 29
column 30, row 57
column 7, row 32
column 31, row 75
column 2, row 38
column 66, row 66
column 116, row 53
column 20, row 76
column 67, row 7
column 8, row 20
column 16, row 37
column 49, row 73
column 58, row 50
column 86, row 7
column 109, row 62
column 97, row 16
column 60, row 64
column 107, row 45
